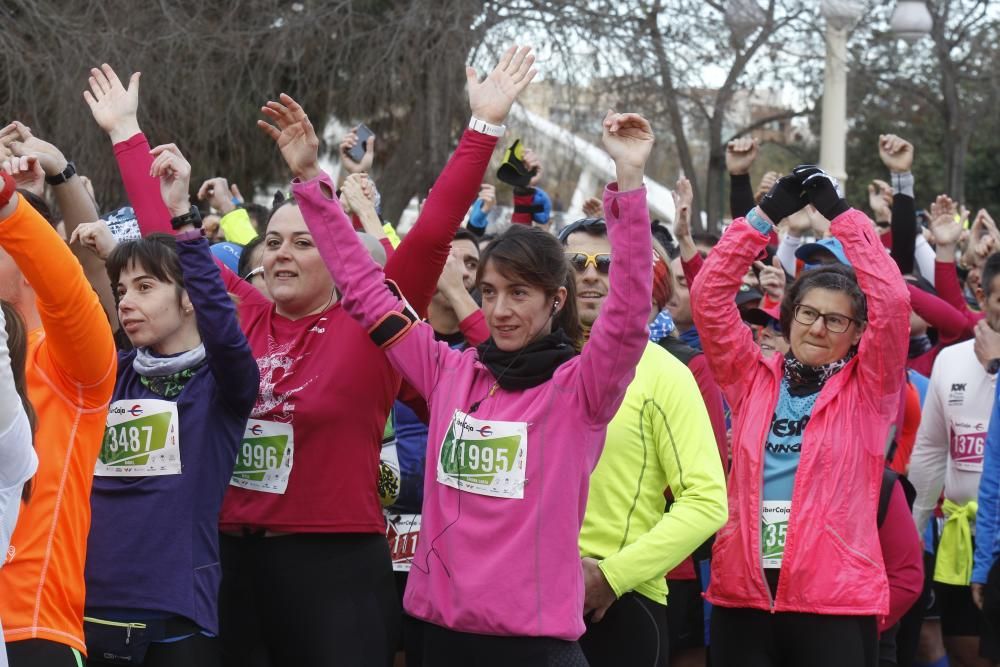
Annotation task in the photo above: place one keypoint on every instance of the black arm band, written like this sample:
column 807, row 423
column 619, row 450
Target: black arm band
column 391, row 328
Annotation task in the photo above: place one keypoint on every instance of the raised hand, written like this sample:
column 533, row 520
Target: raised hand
column 683, row 198
column 985, row 223
column 451, row 281
column 488, row 195
column 628, row 139
column 492, row 98
column 821, row 189
column 946, row 229
column 357, row 195
column 27, row 173
column 784, row 199
column 772, row 278
column 740, row 155
column 593, row 208
column 880, row 200
column 896, row 153
column 113, row 106
column 219, row 195
column 96, row 237
column 533, row 164
column 349, row 141
column 294, row 135
column 765, row 185
column 174, row 172
column 20, row 142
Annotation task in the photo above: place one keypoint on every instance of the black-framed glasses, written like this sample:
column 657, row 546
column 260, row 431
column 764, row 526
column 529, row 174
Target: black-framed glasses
column 834, row 322
column 581, row 260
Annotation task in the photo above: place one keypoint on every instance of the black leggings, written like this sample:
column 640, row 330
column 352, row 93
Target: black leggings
column 633, row 632
column 195, row 651
column 755, row 638
column 309, row 600
column 42, row 653
column 448, row 648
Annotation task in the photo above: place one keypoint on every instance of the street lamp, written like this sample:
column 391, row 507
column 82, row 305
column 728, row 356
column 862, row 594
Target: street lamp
column 841, row 16
column 911, row 20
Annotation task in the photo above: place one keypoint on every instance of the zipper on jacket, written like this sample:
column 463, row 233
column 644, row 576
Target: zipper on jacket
column 128, row 626
column 760, row 505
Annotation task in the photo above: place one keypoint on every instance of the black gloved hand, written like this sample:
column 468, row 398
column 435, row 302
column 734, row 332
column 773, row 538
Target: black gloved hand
column 785, row 198
column 821, row 189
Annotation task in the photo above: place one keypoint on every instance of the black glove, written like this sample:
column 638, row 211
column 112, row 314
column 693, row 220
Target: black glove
column 785, row 198
column 821, row 189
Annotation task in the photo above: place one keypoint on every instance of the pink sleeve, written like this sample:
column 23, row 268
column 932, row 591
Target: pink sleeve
column 727, row 340
column 419, row 259
column 950, row 289
column 903, row 556
column 712, row 396
column 885, row 342
column 142, row 189
column 692, row 267
column 619, row 337
column 474, row 329
column 952, row 325
column 241, row 289
column 366, row 298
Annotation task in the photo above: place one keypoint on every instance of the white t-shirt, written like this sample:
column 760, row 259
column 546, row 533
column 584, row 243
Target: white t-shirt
column 18, row 463
column 949, row 449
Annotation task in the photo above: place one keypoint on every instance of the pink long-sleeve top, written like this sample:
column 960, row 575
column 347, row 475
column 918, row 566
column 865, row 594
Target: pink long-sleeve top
column 484, row 564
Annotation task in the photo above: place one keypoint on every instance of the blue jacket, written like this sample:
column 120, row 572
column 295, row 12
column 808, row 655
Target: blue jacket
column 988, row 515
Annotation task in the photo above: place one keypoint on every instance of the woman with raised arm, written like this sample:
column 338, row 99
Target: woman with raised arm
column 307, row 575
column 176, row 422
column 517, row 423
column 797, row 571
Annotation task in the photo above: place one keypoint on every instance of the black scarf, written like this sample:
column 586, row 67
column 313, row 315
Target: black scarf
column 919, row 345
column 530, row 366
column 806, row 380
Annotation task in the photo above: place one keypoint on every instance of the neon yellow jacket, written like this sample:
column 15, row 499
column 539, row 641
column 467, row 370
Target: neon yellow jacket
column 661, row 437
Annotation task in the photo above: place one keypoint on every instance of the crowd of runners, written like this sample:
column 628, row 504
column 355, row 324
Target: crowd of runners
column 263, row 438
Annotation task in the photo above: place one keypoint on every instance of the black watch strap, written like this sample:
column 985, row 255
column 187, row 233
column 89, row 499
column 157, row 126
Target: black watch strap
column 192, row 217
column 993, row 367
column 67, row 173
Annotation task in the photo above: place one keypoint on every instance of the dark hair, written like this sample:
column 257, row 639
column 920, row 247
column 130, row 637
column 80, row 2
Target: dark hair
column 39, row 205
column 711, row 240
column 17, row 343
column 243, row 267
column 834, row 277
column 462, row 234
column 666, row 239
column 536, row 257
column 156, row 254
column 991, row 269
column 258, row 215
column 592, row 226
column 280, row 201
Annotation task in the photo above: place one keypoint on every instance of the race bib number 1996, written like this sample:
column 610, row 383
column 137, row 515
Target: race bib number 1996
column 140, row 440
column 484, row 457
column 264, row 461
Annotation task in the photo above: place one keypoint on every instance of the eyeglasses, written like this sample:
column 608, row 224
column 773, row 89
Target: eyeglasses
column 834, row 322
column 256, row 272
column 581, row 260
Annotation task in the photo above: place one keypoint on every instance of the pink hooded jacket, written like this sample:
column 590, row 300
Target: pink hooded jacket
column 505, row 566
column 832, row 562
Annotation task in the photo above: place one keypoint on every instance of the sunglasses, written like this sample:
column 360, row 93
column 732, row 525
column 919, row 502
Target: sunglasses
column 581, row 260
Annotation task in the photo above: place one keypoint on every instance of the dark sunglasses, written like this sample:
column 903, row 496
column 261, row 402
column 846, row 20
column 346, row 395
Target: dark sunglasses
column 581, row 260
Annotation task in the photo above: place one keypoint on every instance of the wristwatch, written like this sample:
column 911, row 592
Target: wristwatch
column 993, row 366
column 61, row 178
column 486, row 128
column 192, row 217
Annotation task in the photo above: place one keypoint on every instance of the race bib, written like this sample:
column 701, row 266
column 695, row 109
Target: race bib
column 140, row 440
column 773, row 530
column 264, row 461
column 967, row 443
column 484, row 457
column 402, row 531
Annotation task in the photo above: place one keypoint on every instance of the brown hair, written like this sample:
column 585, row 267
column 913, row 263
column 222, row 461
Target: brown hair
column 17, row 343
column 536, row 257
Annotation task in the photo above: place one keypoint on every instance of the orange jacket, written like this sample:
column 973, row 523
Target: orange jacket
column 71, row 373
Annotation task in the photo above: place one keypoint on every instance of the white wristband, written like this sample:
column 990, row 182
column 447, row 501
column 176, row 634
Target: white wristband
column 483, row 127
